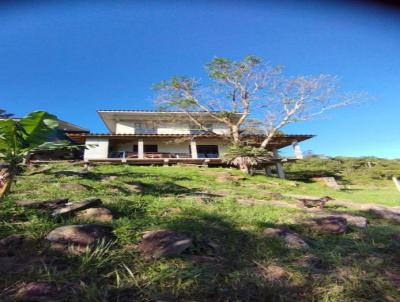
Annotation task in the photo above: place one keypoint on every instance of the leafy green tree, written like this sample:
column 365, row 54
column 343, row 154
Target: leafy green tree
column 21, row 138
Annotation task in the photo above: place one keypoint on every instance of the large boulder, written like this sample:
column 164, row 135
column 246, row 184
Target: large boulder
column 77, row 206
column 82, row 234
column 330, row 224
column 163, row 243
column 96, row 214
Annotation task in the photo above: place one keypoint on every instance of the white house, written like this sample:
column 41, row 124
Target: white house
column 165, row 137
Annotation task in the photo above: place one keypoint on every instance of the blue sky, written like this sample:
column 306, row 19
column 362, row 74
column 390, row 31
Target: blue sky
column 74, row 57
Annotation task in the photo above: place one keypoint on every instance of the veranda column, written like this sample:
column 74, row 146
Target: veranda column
column 193, row 149
column 279, row 166
column 297, row 150
column 140, row 149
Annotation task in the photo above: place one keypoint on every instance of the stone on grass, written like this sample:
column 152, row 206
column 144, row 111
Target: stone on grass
column 330, row 224
column 357, row 221
column 96, row 214
column 291, row 239
column 272, row 232
column 45, row 204
column 81, row 234
column 294, row 241
column 163, row 243
column 77, row 206
column 134, row 187
column 109, row 178
column 386, row 213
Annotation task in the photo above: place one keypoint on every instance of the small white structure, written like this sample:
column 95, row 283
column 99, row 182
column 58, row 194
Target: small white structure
column 149, row 137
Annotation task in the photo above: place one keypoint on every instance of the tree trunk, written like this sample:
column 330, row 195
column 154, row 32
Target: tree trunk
column 235, row 135
column 243, row 166
column 6, row 178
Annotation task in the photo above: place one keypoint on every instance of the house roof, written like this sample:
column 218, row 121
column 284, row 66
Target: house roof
column 279, row 141
column 111, row 117
column 69, row 127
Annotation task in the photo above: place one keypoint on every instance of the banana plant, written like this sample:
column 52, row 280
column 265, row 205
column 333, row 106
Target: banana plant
column 20, row 139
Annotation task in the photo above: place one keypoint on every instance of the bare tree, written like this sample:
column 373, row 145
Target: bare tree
column 251, row 95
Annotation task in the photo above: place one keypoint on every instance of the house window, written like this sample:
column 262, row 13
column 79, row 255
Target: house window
column 207, row 151
column 145, row 128
column 196, row 129
column 147, row 148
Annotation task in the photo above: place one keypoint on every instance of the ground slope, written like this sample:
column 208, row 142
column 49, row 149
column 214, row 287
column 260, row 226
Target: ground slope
column 225, row 213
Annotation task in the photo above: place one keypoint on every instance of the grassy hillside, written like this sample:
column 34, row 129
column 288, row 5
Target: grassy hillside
column 365, row 179
column 241, row 265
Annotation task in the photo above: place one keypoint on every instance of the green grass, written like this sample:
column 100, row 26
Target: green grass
column 349, row 267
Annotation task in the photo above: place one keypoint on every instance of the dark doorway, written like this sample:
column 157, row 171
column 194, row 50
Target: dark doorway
column 207, row 151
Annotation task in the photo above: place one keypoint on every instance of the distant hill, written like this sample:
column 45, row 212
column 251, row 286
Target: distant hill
column 350, row 170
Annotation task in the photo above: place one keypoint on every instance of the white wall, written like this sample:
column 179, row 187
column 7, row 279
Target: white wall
column 128, row 127
column 173, row 147
column 220, row 128
column 97, row 148
column 125, row 127
column 173, row 128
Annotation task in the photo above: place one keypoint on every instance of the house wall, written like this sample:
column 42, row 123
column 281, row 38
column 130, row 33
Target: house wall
column 172, row 147
column 96, row 148
column 173, row 128
column 125, row 127
column 128, row 127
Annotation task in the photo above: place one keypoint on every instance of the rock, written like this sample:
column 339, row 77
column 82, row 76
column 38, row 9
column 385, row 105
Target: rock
column 357, row 221
column 73, row 186
column 96, row 214
column 330, row 224
column 390, row 214
column 36, row 291
column 163, row 243
column 109, row 178
column 77, row 206
column 291, row 239
column 272, row 232
column 83, row 234
column 45, row 204
column 134, row 187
